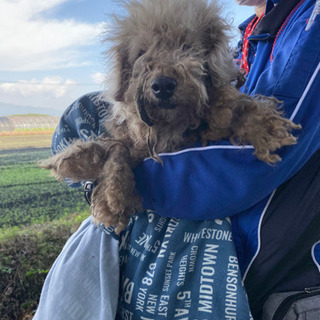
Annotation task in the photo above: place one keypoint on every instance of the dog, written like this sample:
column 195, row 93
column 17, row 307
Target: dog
column 175, row 84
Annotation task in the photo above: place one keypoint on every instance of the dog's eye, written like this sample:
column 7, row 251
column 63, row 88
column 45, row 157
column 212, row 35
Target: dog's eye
column 141, row 53
column 186, row 47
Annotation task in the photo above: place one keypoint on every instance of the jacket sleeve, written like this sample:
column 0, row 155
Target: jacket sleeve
column 222, row 180
column 219, row 180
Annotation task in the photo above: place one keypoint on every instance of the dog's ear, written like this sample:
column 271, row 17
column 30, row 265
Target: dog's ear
column 123, row 69
column 220, row 61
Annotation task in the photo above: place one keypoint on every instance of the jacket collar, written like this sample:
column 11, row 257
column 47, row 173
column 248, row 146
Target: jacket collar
column 276, row 14
column 274, row 18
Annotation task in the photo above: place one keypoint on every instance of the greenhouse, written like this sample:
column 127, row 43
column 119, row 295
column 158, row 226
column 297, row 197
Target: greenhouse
column 28, row 122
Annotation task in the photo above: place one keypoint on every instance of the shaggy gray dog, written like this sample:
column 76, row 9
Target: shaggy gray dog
column 175, row 80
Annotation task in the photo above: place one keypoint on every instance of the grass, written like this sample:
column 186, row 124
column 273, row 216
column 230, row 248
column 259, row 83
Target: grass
column 26, row 255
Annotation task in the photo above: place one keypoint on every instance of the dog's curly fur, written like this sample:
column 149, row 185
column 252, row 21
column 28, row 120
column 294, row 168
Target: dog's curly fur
column 183, row 40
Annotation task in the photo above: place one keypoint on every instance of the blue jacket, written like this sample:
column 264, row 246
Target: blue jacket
column 223, row 180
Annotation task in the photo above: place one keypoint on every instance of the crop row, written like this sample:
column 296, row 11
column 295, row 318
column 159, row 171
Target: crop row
column 24, row 156
column 29, row 194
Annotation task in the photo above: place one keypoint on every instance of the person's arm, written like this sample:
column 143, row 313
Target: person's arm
column 219, row 180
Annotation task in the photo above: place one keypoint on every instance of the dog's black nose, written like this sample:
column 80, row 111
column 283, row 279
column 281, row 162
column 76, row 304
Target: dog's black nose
column 163, row 87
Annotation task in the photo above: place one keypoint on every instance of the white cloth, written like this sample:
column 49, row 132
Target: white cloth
column 83, row 283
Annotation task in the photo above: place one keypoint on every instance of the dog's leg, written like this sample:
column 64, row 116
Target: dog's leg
column 258, row 121
column 82, row 160
column 115, row 198
column 250, row 120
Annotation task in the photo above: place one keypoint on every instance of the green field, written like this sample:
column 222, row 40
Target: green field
column 29, row 194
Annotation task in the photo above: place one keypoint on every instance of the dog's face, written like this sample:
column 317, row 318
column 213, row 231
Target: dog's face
column 170, row 57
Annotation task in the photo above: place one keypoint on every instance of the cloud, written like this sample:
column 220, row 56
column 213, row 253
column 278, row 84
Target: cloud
column 54, row 86
column 30, row 42
column 98, row 78
column 49, row 92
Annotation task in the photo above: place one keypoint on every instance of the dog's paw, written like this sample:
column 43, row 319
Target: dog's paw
column 82, row 160
column 259, row 121
column 273, row 135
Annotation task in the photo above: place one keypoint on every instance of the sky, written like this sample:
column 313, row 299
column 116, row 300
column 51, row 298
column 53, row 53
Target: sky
column 51, row 50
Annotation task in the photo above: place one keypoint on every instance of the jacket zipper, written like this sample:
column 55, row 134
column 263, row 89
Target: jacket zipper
column 287, row 302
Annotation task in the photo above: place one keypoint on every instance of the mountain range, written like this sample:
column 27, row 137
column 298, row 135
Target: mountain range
column 7, row 109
